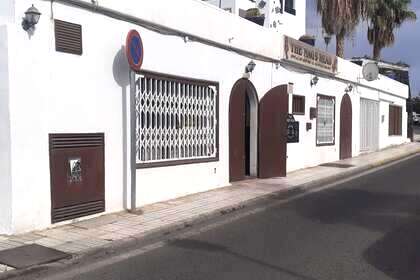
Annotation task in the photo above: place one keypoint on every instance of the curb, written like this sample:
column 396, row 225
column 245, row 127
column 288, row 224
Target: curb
column 166, row 231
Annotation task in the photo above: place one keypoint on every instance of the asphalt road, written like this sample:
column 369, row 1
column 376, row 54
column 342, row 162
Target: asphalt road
column 367, row 228
column 416, row 129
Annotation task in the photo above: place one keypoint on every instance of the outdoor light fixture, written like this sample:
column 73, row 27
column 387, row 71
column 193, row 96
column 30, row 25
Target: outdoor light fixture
column 262, row 4
column 349, row 88
column 250, row 67
column 31, row 18
column 314, row 81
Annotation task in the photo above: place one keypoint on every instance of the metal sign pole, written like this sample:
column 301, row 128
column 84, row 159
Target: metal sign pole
column 133, row 149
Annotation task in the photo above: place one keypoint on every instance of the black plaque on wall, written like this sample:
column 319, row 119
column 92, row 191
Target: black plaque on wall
column 292, row 130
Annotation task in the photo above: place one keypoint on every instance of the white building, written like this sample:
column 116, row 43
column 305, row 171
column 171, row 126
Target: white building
column 283, row 16
column 66, row 124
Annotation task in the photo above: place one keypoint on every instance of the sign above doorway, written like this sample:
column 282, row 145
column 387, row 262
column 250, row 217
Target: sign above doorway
column 134, row 50
column 300, row 53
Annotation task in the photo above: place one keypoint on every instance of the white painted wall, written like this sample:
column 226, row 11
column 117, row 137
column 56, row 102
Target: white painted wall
column 53, row 92
column 6, row 10
column 285, row 23
column 5, row 156
column 204, row 20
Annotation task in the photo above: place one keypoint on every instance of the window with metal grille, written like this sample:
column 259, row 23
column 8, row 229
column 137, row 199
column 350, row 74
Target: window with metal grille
column 395, row 120
column 298, row 105
column 325, row 124
column 68, row 37
column 289, row 6
column 177, row 120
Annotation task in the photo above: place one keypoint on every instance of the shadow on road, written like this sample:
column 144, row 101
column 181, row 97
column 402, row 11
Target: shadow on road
column 397, row 254
column 191, row 244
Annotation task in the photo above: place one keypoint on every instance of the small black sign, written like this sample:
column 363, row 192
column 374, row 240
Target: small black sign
column 292, row 130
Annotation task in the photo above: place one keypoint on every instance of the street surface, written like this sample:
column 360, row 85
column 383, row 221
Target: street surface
column 416, row 130
column 366, row 228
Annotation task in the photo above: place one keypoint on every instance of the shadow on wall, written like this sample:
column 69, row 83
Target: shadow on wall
column 121, row 73
column 397, row 254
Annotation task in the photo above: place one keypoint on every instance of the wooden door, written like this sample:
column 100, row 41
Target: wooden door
column 274, row 107
column 346, row 127
column 237, row 131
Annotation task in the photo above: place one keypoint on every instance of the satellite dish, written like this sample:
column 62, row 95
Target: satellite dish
column 370, row 71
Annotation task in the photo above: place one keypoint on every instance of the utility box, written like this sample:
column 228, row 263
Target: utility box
column 77, row 168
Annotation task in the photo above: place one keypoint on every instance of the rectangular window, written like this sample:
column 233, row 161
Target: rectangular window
column 289, row 7
column 177, row 120
column 395, row 120
column 298, row 105
column 325, row 124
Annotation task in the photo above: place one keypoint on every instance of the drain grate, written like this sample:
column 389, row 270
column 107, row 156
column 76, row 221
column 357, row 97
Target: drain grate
column 30, row 255
column 337, row 165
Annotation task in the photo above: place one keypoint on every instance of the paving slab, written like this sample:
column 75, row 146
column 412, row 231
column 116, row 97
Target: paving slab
column 30, row 255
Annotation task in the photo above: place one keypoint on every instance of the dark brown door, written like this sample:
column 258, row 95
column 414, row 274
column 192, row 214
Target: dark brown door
column 346, row 128
column 237, row 112
column 272, row 133
column 77, row 175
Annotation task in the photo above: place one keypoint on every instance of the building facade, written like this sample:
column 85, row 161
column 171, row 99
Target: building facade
column 217, row 96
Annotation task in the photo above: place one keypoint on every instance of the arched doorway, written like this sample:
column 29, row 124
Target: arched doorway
column 274, row 107
column 346, row 127
column 243, row 131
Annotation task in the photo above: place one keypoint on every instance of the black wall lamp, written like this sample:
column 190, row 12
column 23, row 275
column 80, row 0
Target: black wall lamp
column 31, row 18
column 250, row 67
column 349, row 88
column 314, row 81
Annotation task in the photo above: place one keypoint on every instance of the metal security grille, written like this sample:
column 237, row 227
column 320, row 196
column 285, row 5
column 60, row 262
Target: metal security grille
column 325, row 120
column 369, row 125
column 176, row 120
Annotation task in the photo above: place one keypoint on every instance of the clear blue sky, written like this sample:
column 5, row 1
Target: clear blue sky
column 406, row 47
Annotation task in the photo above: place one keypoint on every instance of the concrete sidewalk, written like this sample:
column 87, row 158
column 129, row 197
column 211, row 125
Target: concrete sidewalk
column 81, row 237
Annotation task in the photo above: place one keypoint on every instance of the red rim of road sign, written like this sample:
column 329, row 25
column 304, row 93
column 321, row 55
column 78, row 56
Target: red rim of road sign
column 134, row 50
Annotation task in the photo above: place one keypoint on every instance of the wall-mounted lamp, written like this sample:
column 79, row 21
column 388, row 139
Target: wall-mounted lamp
column 349, row 88
column 262, row 4
column 31, row 18
column 250, row 67
column 314, row 81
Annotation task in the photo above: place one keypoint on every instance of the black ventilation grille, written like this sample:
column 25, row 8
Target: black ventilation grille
column 68, row 37
column 77, row 211
column 71, row 141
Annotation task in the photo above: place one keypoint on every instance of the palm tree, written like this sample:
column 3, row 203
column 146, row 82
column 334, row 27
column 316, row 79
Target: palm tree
column 384, row 16
column 340, row 18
